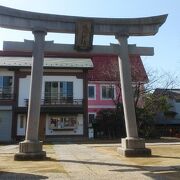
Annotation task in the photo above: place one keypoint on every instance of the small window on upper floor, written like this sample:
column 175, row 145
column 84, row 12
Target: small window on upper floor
column 91, row 91
column 107, row 92
column 5, row 87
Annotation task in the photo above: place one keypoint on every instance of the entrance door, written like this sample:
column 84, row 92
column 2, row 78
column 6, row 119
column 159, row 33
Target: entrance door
column 51, row 92
column 21, row 125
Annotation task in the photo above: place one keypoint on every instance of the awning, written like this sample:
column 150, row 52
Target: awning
column 80, row 63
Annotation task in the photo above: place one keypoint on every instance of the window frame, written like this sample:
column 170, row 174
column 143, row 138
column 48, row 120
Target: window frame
column 107, row 85
column 6, row 91
column 59, row 95
column 92, row 98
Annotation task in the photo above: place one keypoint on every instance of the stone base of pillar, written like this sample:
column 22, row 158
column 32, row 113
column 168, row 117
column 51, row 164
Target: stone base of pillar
column 133, row 147
column 30, row 150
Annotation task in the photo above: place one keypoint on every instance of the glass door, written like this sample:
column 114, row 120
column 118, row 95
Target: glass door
column 66, row 91
column 51, row 92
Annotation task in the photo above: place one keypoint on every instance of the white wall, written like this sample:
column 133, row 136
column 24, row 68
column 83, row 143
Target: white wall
column 24, row 85
column 76, row 131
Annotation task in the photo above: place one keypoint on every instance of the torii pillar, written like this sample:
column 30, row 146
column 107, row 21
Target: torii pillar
column 31, row 148
column 132, row 145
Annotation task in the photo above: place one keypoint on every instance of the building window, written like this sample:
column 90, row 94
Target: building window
column 58, row 91
column 62, row 122
column 5, row 87
column 51, row 90
column 107, row 92
column 91, row 91
column 22, row 121
column 66, row 89
column 91, row 118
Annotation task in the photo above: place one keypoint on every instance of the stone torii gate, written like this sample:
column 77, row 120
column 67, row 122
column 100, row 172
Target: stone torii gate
column 84, row 28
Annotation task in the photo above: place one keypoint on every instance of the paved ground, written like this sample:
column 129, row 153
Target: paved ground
column 93, row 162
column 85, row 162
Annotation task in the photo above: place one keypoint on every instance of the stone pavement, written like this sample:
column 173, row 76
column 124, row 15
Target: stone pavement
column 86, row 163
column 94, row 162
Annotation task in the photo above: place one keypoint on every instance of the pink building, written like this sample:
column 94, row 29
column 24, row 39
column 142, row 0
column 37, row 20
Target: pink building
column 103, row 85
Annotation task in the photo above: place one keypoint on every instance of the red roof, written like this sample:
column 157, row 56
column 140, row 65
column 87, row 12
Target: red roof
column 106, row 69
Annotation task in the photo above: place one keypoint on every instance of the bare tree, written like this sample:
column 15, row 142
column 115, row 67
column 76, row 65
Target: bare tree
column 163, row 80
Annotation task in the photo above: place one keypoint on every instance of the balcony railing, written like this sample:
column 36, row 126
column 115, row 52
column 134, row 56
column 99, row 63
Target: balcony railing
column 6, row 93
column 59, row 102
column 6, row 96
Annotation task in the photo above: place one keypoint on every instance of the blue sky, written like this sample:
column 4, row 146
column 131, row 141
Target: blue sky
column 166, row 42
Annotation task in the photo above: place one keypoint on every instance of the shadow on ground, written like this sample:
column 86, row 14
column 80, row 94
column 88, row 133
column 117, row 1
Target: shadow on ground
column 155, row 172
column 11, row 176
column 105, row 140
column 85, row 141
column 168, row 157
